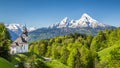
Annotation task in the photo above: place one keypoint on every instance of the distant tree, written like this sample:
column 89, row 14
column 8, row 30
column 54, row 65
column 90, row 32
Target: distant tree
column 87, row 57
column 55, row 51
column 42, row 49
column 74, row 60
column 48, row 53
column 64, row 55
column 99, row 42
column 89, row 40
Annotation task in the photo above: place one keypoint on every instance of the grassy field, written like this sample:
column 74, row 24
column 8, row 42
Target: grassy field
column 5, row 64
column 56, row 64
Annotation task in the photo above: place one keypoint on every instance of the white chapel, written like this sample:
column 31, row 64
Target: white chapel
column 20, row 45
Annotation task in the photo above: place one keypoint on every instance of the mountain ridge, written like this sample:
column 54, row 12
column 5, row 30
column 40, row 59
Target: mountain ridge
column 84, row 25
column 84, row 21
column 15, row 30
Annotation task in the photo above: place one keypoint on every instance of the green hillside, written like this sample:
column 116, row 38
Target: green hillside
column 105, row 53
column 79, row 50
column 107, row 45
column 56, row 64
column 5, row 64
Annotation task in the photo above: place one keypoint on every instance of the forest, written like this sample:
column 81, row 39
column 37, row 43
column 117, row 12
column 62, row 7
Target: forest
column 69, row 51
column 82, row 51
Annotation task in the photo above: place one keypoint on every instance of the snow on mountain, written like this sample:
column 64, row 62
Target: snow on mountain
column 15, row 30
column 14, row 26
column 86, row 24
column 84, row 21
column 64, row 23
column 53, row 25
column 31, row 29
column 87, row 21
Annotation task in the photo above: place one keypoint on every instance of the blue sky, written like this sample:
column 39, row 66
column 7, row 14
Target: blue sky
column 41, row 13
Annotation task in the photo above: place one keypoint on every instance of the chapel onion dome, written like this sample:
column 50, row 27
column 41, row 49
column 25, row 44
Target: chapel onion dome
column 25, row 31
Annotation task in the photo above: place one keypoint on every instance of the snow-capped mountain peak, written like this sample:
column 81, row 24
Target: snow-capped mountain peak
column 86, row 16
column 87, row 21
column 84, row 21
column 63, row 23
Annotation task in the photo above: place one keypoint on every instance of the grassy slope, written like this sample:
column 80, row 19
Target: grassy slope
column 51, row 64
column 56, row 64
column 5, row 64
column 105, row 53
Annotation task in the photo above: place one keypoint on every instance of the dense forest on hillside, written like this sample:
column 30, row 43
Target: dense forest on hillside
column 82, row 51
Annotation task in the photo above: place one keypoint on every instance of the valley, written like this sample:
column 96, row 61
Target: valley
column 69, row 51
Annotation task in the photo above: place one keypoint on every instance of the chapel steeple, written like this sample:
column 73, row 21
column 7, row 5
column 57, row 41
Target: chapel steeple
column 25, row 30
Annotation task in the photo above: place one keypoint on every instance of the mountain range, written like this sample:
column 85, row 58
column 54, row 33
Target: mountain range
column 84, row 25
column 84, row 22
column 15, row 30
